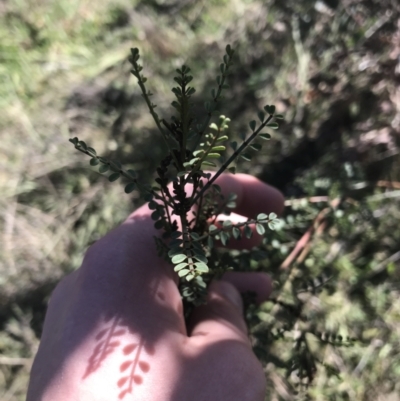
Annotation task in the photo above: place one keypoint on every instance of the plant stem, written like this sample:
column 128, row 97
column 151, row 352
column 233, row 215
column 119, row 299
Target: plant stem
column 151, row 109
column 166, row 207
column 238, row 225
column 237, row 152
column 185, row 123
column 198, row 211
column 215, row 100
column 129, row 177
column 203, row 157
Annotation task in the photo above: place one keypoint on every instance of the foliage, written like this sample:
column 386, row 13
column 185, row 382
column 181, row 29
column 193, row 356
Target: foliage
column 190, row 220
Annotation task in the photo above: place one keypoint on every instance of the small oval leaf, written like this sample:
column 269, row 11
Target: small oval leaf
column 178, row 258
column 131, row 173
column 130, row 187
column 183, row 272
column 180, row 266
column 270, row 109
column 200, row 258
column 260, row 229
column 155, row 215
column 246, row 156
column 248, row 232
column 213, row 156
column 159, row 224
column 236, row 233
column 222, row 138
column 218, row 148
column 104, row 168
column 114, row 177
column 190, row 277
column 273, row 125
column 212, row 228
column 256, row 146
column 207, row 163
column 262, row 216
column 201, row 267
column 224, row 237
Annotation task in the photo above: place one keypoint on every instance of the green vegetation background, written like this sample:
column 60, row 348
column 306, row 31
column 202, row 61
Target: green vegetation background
column 333, row 69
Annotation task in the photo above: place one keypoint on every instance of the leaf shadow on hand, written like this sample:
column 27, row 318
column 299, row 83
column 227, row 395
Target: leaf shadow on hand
column 107, row 342
column 122, row 300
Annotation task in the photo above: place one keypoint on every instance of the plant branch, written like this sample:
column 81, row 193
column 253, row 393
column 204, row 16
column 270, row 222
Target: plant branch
column 237, row 152
column 141, row 80
column 216, row 98
column 124, row 174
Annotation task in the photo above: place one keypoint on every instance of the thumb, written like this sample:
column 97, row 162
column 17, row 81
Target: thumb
column 221, row 318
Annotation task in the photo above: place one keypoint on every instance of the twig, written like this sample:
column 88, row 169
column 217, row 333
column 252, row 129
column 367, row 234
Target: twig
column 301, row 243
column 388, row 184
column 312, row 199
column 237, row 152
column 306, row 237
column 386, row 195
column 7, row 360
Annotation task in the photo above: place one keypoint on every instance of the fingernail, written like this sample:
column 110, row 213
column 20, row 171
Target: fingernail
column 229, row 292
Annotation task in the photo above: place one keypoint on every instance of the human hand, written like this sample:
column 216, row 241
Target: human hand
column 114, row 329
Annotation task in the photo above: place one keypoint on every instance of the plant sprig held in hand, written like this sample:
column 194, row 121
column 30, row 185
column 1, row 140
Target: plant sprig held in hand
column 193, row 144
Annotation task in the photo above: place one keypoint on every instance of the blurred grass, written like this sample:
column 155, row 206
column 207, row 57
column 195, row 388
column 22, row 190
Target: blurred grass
column 331, row 67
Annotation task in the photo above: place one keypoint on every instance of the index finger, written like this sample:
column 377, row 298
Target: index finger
column 253, row 195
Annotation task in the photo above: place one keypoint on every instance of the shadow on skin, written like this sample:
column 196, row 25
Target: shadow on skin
column 116, row 302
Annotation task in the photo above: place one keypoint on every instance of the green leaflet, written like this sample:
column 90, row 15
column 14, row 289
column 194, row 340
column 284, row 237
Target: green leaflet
column 260, row 229
column 183, row 272
column 213, row 156
column 180, row 266
column 218, row 148
column 262, row 216
column 207, row 163
column 178, row 258
column 201, row 267
column 114, row 177
column 130, row 187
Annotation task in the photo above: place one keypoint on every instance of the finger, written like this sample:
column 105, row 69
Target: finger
column 253, row 195
column 259, row 283
column 221, row 318
column 243, row 242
